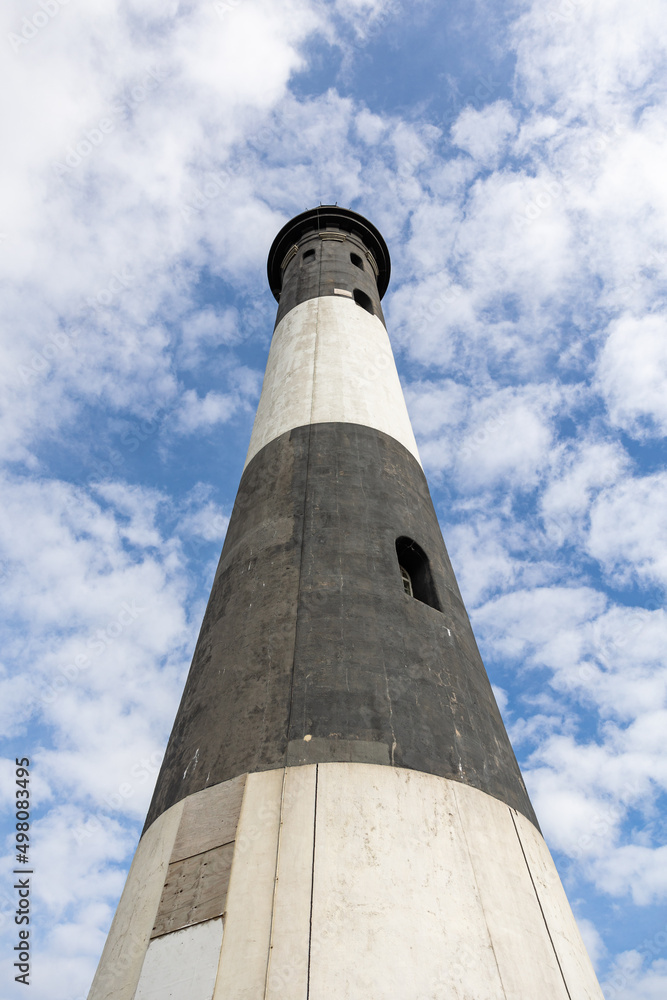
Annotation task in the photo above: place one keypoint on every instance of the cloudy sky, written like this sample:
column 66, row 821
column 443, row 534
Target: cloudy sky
column 513, row 155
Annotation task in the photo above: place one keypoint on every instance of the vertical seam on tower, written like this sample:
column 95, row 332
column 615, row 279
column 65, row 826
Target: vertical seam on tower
column 315, row 345
column 275, row 882
column 479, row 895
column 303, row 536
column 312, row 883
column 539, row 903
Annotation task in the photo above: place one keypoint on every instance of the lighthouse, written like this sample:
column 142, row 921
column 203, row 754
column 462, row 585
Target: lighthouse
column 339, row 814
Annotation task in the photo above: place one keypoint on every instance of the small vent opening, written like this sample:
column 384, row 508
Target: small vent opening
column 363, row 300
column 357, row 261
column 416, row 572
column 308, row 255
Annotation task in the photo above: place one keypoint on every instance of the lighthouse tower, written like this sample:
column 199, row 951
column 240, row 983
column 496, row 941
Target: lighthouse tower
column 339, row 814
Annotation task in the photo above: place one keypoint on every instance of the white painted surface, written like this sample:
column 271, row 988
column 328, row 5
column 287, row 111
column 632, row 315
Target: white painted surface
column 573, row 957
column 182, row 965
column 123, row 956
column 396, row 909
column 288, row 964
column 508, row 899
column 245, row 945
column 330, row 360
column 421, row 889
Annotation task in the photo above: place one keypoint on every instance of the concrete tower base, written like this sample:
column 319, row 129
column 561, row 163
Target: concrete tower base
column 345, row 881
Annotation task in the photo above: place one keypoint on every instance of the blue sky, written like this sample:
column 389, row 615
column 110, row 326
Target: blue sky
column 513, row 157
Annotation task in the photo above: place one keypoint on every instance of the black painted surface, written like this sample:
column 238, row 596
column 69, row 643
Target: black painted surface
column 309, row 632
column 323, row 266
column 328, row 218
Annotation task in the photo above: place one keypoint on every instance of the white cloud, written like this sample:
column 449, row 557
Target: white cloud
column 592, row 939
column 508, row 436
column 485, row 133
column 370, row 127
column 510, row 259
column 632, row 374
column 577, row 474
column 204, row 412
column 628, row 526
column 206, row 328
column 575, row 57
column 632, row 868
column 638, row 975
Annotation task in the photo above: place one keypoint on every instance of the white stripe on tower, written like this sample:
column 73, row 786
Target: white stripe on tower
column 331, row 362
column 339, row 814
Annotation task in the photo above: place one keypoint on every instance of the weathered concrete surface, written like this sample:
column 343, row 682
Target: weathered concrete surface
column 187, row 833
column 364, row 881
column 309, row 632
column 330, row 361
column 119, row 969
column 250, row 900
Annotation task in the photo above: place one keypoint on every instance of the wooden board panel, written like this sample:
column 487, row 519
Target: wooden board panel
column 210, row 818
column 195, row 890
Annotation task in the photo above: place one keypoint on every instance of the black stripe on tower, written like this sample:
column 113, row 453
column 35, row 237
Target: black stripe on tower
column 313, row 650
column 329, row 251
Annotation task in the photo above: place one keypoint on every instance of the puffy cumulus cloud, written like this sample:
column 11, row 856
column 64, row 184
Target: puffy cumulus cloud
column 434, row 405
column 596, row 802
column 607, row 654
column 123, row 178
column 484, row 133
column 497, row 284
column 194, row 412
column 632, row 372
column 513, row 266
column 539, row 625
column 369, row 127
column 485, row 438
column 203, row 412
column 597, row 796
column 204, row 329
column 639, row 975
column 640, row 870
column 577, row 473
column 508, row 437
column 98, row 589
column 74, row 870
column 573, row 56
column 628, row 524
column 201, row 517
column 489, row 555
column 102, row 589
column 595, row 945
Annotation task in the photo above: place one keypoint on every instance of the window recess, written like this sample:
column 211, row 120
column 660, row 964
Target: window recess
column 416, row 572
